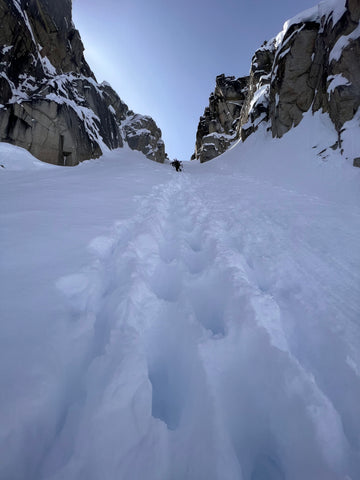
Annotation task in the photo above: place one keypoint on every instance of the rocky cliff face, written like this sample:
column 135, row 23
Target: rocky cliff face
column 313, row 64
column 317, row 66
column 50, row 101
column 218, row 126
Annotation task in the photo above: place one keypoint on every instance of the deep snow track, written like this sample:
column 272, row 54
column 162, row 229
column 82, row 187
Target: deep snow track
column 218, row 340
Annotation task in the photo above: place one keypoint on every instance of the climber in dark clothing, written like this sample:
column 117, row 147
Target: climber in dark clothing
column 177, row 164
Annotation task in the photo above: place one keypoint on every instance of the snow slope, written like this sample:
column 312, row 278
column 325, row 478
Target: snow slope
column 202, row 325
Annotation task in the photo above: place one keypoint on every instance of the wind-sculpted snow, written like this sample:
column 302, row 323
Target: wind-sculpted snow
column 212, row 332
column 190, row 343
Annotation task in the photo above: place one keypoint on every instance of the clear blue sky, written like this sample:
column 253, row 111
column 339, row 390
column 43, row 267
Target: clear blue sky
column 162, row 56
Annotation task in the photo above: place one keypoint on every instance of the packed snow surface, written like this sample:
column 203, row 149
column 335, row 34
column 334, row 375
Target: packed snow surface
column 202, row 325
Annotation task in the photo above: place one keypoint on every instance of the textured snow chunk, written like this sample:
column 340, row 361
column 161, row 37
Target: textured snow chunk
column 102, row 246
column 73, row 284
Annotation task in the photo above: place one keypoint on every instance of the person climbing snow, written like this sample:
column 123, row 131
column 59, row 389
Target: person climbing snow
column 177, row 164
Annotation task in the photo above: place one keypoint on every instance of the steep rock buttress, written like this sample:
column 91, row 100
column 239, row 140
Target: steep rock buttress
column 313, row 64
column 50, row 101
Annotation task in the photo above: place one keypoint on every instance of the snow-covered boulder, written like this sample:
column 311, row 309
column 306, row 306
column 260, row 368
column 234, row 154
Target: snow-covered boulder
column 50, row 101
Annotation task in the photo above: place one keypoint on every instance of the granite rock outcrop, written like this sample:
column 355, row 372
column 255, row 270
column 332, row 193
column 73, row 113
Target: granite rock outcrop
column 316, row 67
column 312, row 65
column 218, row 126
column 50, row 101
column 142, row 133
